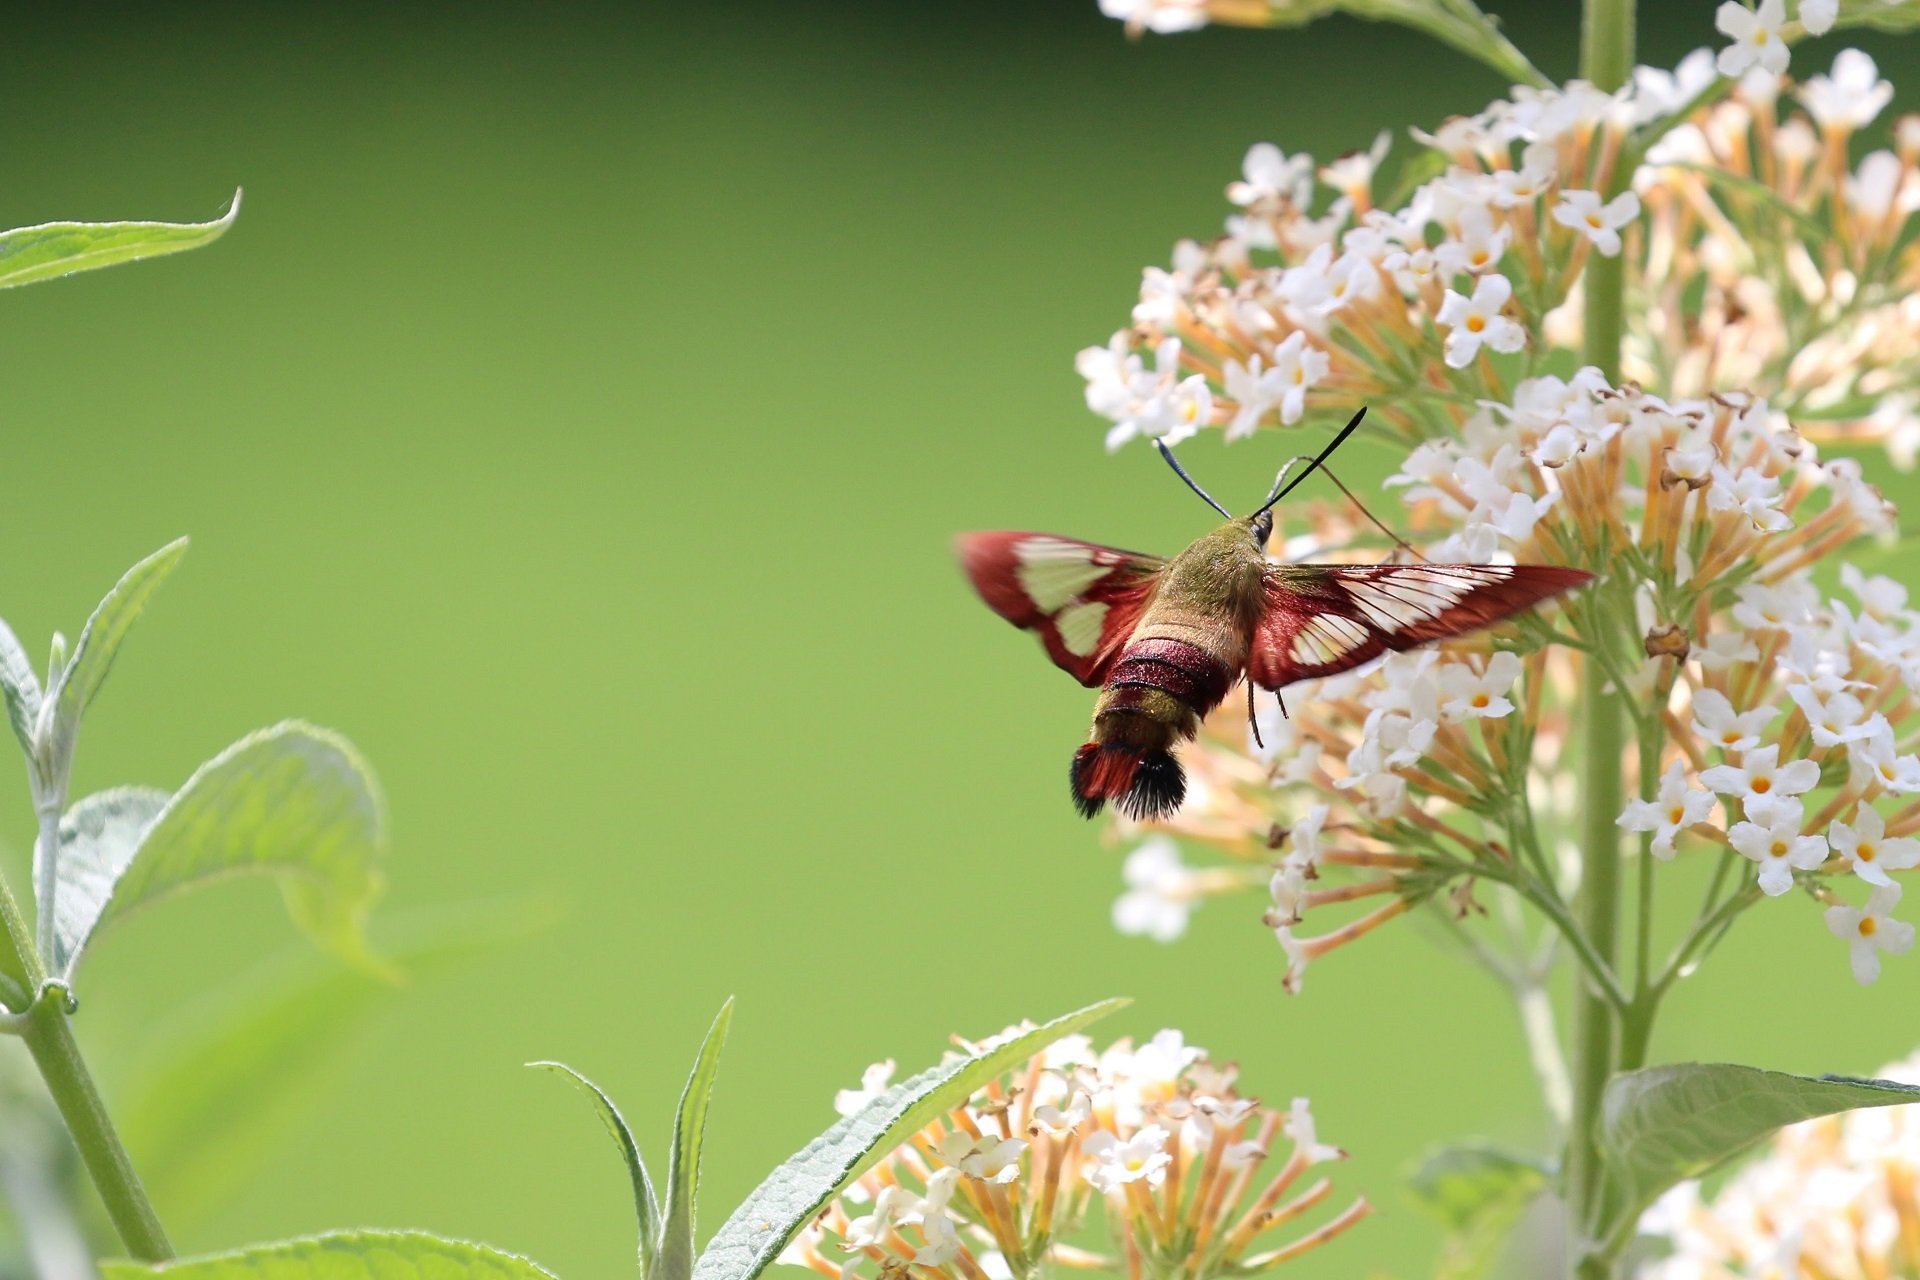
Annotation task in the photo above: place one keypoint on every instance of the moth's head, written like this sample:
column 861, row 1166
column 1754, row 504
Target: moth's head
column 1260, row 526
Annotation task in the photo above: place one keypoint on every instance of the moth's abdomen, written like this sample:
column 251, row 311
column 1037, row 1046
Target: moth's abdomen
column 1155, row 697
column 1186, row 674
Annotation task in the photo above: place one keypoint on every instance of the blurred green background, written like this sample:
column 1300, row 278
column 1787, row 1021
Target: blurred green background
column 577, row 417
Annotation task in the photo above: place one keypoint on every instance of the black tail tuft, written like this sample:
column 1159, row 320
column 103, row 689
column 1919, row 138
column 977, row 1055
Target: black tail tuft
column 1142, row 784
column 1159, row 786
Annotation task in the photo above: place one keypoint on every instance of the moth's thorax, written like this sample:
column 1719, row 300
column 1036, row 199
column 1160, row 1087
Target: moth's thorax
column 1210, row 594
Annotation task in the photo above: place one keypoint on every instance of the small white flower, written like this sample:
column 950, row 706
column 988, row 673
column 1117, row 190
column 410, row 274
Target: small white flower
column 943, row 1241
column 1876, row 761
column 989, row 1158
column 1881, row 187
column 1467, row 694
column 1715, row 720
column 1761, row 783
column 1868, row 850
column 1725, row 649
column 1599, row 223
column 1302, row 1131
column 1753, row 493
column 1269, row 175
column 1818, row 16
column 873, row 1083
column 893, row 1205
column 1755, row 34
column 1538, row 165
column 1779, row 848
column 1658, row 94
column 1849, row 98
column 1058, row 1123
column 1837, row 718
column 1880, row 596
column 1143, row 1157
column 1161, row 17
column 1159, row 895
column 1871, row 930
column 1477, row 321
column 1353, row 172
column 1478, row 244
column 1296, row 365
column 1678, row 805
column 1775, row 606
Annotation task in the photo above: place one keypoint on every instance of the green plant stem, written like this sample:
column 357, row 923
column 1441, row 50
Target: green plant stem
column 50, row 1040
column 1599, row 924
column 1606, row 60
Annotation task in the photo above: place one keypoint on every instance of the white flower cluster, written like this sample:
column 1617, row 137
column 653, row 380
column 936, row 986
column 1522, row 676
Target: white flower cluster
column 1322, row 291
column 1836, row 1198
column 1155, row 1136
column 1708, row 519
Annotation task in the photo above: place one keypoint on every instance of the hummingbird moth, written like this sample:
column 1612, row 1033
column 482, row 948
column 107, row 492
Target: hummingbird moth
column 1165, row 640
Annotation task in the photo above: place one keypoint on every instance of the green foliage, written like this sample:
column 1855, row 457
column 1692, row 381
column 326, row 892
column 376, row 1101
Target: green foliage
column 677, row 1245
column 1662, row 1125
column 72, row 688
column 646, row 1206
column 53, row 249
column 753, row 1236
column 292, row 800
column 20, row 687
column 344, row 1255
column 99, row 836
column 1476, row 1191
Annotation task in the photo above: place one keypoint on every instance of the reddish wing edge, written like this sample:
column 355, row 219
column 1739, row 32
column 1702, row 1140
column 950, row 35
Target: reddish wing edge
column 1082, row 599
column 1322, row 619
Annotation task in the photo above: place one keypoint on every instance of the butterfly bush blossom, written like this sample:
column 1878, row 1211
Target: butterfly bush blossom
column 1188, row 1175
column 1773, row 322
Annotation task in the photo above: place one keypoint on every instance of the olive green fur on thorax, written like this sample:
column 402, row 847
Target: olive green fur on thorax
column 1218, row 579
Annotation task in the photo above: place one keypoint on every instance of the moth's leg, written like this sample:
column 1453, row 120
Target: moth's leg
column 1283, row 705
column 1252, row 723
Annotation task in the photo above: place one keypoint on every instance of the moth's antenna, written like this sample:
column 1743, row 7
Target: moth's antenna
column 1280, row 492
column 1399, row 541
column 1181, row 471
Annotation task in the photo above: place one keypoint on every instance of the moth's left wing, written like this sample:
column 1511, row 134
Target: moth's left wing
column 1322, row 619
column 1082, row 599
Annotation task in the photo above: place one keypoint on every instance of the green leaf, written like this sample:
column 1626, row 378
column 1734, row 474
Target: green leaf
column 1477, row 1191
column 753, row 1236
column 80, row 679
column 646, row 1206
column 242, row 1067
column 30, row 254
column 98, row 838
column 1662, row 1125
column 294, row 801
column 343, row 1255
column 20, row 687
column 683, row 1162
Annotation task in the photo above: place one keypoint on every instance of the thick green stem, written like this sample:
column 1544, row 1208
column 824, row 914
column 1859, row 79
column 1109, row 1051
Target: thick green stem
column 50, row 1039
column 1606, row 60
column 1599, row 922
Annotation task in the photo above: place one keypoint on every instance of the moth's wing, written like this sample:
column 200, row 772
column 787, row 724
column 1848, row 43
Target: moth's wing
column 1322, row 619
column 1082, row 599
